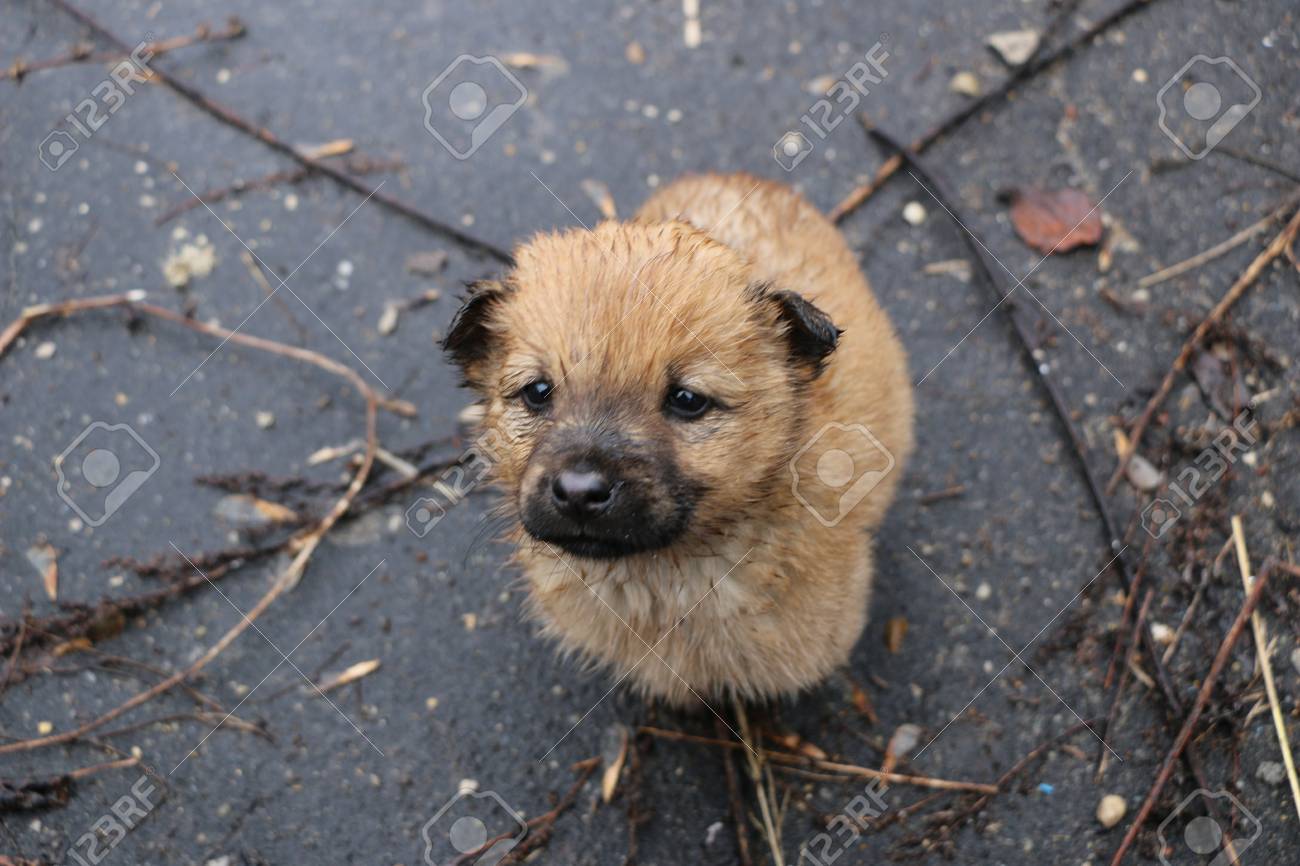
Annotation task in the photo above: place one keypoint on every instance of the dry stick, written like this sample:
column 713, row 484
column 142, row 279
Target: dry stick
column 1059, row 408
column 1274, row 249
column 1198, row 706
column 851, row 770
column 229, row 117
column 1265, row 664
column 307, row 542
column 543, row 825
column 1220, row 248
column 766, row 805
column 734, row 795
column 84, row 53
column 18, row 648
column 1040, row 61
column 1103, row 760
column 268, row 181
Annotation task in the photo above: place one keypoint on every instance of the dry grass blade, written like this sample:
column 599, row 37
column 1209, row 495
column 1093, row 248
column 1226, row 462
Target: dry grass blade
column 1265, row 665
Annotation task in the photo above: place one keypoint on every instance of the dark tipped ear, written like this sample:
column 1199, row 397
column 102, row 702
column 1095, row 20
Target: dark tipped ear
column 811, row 334
column 469, row 340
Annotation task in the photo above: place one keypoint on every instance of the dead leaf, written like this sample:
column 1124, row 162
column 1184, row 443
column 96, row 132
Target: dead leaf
column 895, row 631
column 426, row 264
column 1055, row 221
column 862, row 703
column 599, row 193
column 905, row 739
column 350, row 675
column 614, row 768
column 796, row 743
column 46, row 560
column 76, row 645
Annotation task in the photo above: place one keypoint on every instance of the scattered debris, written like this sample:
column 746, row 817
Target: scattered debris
column 614, row 755
column 1111, row 810
column 1055, row 221
column 349, row 675
column 265, row 420
column 426, row 264
column 241, row 509
column 599, row 193
column 1271, row 772
column 895, row 631
column 45, row 350
column 914, row 213
column 634, row 53
column 387, row 323
column 965, row 83
column 46, row 560
column 194, row 260
column 1015, row 47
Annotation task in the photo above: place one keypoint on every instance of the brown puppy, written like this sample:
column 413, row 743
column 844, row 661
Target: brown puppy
column 700, row 414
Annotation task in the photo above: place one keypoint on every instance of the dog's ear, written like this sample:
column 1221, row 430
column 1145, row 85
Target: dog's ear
column 469, row 339
column 809, row 332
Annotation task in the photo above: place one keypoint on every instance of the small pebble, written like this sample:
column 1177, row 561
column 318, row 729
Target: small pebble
column 965, row 83
column 1162, row 633
column 45, row 350
column 1295, row 659
column 1270, row 773
column 265, row 420
column 44, row 728
column 984, row 592
column 914, row 213
column 1111, row 809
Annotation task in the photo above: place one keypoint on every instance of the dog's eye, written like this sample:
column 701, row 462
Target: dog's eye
column 686, row 404
column 536, row 394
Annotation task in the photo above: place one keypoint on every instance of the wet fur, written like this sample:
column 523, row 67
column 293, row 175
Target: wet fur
column 748, row 270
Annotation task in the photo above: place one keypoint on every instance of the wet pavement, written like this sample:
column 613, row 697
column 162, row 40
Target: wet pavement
column 581, row 98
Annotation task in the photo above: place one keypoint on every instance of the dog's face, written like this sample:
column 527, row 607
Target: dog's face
column 639, row 387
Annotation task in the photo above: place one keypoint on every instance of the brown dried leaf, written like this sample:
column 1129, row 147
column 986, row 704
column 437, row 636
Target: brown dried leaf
column 599, row 193
column 1055, row 221
column 906, row 738
column 350, row 675
column 895, row 631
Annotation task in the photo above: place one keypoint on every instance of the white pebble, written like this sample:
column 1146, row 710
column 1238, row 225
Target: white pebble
column 45, row 350
column 1111, row 809
column 914, row 213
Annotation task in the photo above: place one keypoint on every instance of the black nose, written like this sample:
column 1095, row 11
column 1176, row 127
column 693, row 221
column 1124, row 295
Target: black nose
column 581, row 493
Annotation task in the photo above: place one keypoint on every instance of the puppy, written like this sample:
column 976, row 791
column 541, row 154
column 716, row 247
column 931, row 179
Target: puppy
column 700, row 415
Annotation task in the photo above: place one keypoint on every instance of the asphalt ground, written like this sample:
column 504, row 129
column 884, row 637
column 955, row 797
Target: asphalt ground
column 465, row 689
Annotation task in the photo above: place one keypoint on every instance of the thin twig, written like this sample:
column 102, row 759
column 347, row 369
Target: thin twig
column 1041, row 61
column 1220, row 248
column 231, row 118
column 766, row 802
column 1057, row 401
column 306, row 543
column 850, row 770
column 1281, row 242
column 734, row 795
column 1103, row 759
column 84, row 53
column 1189, row 725
column 1265, row 664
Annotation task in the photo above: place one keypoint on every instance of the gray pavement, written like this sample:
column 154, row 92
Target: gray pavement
column 466, row 690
